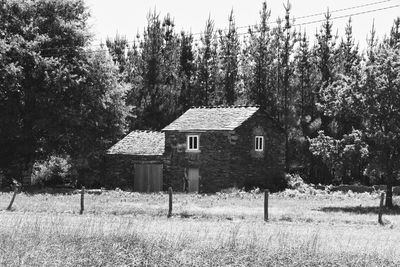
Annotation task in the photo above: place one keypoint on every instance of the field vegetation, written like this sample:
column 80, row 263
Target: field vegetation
column 118, row 228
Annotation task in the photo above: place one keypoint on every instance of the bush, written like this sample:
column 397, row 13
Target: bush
column 298, row 188
column 52, row 172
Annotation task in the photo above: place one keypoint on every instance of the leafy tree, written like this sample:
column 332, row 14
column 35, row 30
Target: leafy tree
column 336, row 100
column 47, row 96
column 41, row 44
column 102, row 118
column 373, row 98
column 343, row 157
column 341, row 101
column 381, row 93
column 346, row 86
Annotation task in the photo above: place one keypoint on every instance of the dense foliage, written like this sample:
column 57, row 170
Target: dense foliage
column 338, row 106
column 56, row 97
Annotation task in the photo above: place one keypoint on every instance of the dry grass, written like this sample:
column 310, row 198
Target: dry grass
column 129, row 229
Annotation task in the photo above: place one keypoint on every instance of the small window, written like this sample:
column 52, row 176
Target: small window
column 259, row 143
column 193, row 142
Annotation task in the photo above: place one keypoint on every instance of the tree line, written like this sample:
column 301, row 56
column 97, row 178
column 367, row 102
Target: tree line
column 337, row 104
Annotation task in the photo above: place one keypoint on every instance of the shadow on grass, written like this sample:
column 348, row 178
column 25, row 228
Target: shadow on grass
column 362, row 210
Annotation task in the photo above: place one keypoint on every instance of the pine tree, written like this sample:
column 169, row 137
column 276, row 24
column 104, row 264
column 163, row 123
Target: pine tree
column 260, row 63
column 153, row 72
column 117, row 48
column 326, row 52
column 372, row 42
column 170, row 70
column 306, row 98
column 147, row 95
column 230, row 49
column 207, row 68
column 345, row 86
column 326, row 56
column 289, row 40
column 277, row 70
column 348, row 51
column 187, row 72
column 394, row 38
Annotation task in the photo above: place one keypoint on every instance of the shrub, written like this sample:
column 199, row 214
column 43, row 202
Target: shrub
column 52, row 172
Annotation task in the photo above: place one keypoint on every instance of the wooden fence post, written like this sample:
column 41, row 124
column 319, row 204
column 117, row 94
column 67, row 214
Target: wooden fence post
column 266, row 193
column 13, row 197
column 170, row 202
column 380, row 209
column 82, row 200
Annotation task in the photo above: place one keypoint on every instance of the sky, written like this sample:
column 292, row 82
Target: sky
column 128, row 17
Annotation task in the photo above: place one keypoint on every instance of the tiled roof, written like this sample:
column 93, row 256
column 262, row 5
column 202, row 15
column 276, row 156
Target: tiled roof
column 143, row 143
column 212, row 118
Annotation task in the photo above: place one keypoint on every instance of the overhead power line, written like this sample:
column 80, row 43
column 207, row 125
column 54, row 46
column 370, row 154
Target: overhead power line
column 347, row 16
column 338, row 17
column 344, row 9
column 323, row 13
column 66, row 48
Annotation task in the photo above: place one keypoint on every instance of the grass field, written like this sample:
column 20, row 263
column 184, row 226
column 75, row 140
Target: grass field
column 130, row 229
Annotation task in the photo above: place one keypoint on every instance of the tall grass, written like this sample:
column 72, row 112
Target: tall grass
column 46, row 230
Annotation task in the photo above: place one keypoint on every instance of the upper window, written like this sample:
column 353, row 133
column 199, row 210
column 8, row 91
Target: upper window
column 192, row 142
column 259, row 143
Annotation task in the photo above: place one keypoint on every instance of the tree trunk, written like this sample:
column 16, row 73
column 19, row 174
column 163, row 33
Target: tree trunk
column 389, row 194
column 27, row 173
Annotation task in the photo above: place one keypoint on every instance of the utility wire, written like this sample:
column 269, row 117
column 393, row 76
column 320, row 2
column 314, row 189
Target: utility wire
column 344, row 9
column 323, row 13
column 351, row 15
column 335, row 18
column 299, row 24
column 66, row 48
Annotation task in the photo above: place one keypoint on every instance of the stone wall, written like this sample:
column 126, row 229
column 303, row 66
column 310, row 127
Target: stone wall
column 120, row 169
column 212, row 160
column 228, row 158
column 259, row 169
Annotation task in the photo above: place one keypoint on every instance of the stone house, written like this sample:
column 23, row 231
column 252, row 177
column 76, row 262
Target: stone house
column 211, row 148
column 205, row 150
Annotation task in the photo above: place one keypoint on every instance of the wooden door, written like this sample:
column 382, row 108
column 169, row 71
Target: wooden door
column 193, row 180
column 148, row 177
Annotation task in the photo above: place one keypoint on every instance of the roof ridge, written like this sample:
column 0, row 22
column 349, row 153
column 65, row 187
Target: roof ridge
column 145, row 131
column 227, row 106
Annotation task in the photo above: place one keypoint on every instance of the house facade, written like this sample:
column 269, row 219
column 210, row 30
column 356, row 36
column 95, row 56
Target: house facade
column 206, row 149
column 211, row 148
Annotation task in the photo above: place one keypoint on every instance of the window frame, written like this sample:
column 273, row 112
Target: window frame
column 257, row 148
column 194, row 137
